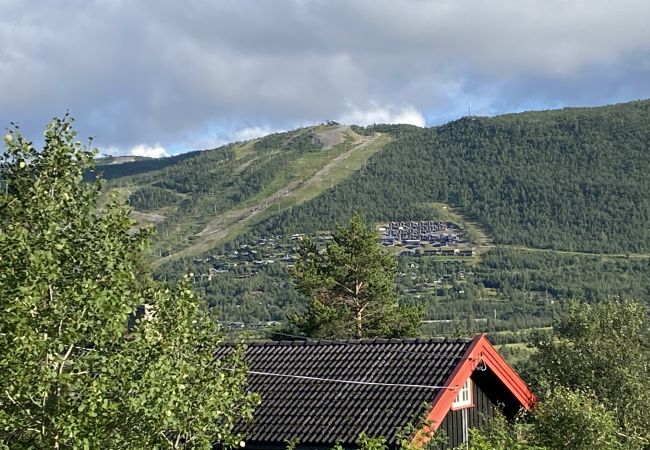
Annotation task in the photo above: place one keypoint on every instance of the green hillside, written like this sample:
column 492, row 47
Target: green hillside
column 574, row 179
column 558, row 201
column 200, row 199
column 122, row 166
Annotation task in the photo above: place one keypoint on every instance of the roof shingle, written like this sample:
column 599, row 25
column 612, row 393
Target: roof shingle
column 322, row 412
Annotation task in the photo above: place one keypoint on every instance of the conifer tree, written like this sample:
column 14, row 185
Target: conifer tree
column 351, row 287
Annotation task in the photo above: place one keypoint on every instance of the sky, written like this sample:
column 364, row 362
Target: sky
column 162, row 77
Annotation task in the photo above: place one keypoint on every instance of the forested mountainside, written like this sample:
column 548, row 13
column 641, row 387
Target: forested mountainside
column 572, row 179
column 562, row 199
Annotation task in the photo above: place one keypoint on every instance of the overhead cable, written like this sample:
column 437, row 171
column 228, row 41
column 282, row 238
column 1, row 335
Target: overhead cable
column 334, row 380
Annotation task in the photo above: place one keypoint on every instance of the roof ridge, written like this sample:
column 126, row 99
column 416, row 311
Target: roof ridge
column 300, row 342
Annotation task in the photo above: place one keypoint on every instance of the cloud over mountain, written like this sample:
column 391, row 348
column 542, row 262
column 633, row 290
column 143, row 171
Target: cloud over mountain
column 169, row 72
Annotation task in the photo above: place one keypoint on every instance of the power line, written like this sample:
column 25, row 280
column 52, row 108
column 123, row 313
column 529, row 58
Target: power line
column 420, row 355
column 335, row 380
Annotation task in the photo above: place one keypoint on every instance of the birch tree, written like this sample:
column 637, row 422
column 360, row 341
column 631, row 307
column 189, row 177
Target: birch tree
column 73, row 373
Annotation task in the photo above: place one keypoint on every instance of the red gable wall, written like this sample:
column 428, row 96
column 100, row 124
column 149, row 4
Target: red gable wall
column 480, row 351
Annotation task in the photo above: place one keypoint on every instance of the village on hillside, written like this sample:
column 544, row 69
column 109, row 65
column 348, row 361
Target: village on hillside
column 406, row 238
column 426, row 238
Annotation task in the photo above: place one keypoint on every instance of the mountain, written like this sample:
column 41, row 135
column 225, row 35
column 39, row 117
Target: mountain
column 574, row 179
column 198, row 200
column 558, row 203
column 122, row 166
column 111, row 160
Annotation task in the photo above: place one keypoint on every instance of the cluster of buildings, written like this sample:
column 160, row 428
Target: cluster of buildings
column 421, row 238
column 416, row 233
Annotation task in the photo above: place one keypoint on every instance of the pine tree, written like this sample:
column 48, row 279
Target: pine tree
column 351, row 287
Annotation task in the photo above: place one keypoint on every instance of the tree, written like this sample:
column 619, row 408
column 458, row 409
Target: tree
column 565, row 419
column 604, row 349
column 351, row 286
column 72, row 374
column 574, row 420
column 500, row 435
column 592, row 375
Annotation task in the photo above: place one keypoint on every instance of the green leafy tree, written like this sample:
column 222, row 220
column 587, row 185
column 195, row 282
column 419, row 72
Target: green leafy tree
column 566, row 419
column 573, row 420
column 351, row 286
column 605, row 349
column 593, row 377
column 72, row 373
column 500, row 435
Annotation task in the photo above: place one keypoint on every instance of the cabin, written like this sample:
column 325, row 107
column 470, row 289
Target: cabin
column 317, row 393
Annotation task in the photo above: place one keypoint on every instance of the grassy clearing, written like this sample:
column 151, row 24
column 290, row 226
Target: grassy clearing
column 350, row 157
column 241, row 151
column 567, row 252
column 516, row 353
column 316, row 173
column 473, row 230
column 521, row 330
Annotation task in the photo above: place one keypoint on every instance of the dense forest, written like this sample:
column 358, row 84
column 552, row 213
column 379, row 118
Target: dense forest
column 574, row 179
column 111, row 167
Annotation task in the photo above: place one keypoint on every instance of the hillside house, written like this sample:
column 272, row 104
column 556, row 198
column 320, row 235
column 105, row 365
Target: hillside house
column 320, row 393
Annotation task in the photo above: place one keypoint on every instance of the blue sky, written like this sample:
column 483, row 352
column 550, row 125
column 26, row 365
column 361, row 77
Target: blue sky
column 162, row 77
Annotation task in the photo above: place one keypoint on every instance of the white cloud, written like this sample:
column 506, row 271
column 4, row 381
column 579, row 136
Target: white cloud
column 248, row 133
column 121, row 67
column 218, row 135
column 384, row 114
column 150, row 151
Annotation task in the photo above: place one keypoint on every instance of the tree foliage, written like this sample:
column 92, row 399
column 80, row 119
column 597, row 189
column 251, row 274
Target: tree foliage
column 500, row 435
column 566, row 419
column 592, row 376
column 605, row 349
column 72, row 374
column 574, row 420
column 351, row 286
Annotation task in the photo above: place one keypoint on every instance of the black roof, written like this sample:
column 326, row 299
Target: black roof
column 320, row 412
